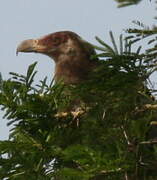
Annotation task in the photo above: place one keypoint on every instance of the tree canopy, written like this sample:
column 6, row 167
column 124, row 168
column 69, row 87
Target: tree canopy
column 113, row 139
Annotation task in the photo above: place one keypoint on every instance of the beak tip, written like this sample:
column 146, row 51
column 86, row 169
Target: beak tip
column 25, row 46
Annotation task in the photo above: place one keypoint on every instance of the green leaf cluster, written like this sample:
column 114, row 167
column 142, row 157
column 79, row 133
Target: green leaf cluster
column 110, row 140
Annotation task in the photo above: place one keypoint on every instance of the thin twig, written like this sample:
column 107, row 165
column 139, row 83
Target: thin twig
column 125, row 135
column 149, row 142
column 150, row 106
column 111, row 171
column 126, row 176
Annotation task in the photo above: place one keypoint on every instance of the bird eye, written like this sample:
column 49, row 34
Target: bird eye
column 56, row 40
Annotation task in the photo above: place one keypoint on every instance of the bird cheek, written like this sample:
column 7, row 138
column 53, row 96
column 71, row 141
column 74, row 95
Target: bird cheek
column 41, row 49
column 54, row 53
column 71, row 52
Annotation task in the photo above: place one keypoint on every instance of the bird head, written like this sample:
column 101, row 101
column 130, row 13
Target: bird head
column 57, row 44
column 72, row 55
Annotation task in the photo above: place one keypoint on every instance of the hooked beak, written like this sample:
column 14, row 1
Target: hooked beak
column 27, row 46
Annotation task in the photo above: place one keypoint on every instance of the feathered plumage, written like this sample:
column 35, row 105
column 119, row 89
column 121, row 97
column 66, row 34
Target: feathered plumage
column 71, row 54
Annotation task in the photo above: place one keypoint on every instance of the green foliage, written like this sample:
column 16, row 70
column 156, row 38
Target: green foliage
column 124, row 3
column 107, row 141
column 111, row 140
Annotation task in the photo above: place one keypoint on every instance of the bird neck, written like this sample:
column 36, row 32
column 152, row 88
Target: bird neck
column 72, row 69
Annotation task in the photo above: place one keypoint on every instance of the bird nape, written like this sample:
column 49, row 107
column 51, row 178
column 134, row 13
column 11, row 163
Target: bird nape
column 72, row 56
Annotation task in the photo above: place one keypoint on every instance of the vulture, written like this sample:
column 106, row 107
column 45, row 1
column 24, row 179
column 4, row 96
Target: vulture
column 71, row 54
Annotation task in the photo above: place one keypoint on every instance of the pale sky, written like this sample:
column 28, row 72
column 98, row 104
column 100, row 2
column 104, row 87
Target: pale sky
column 26, row 19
